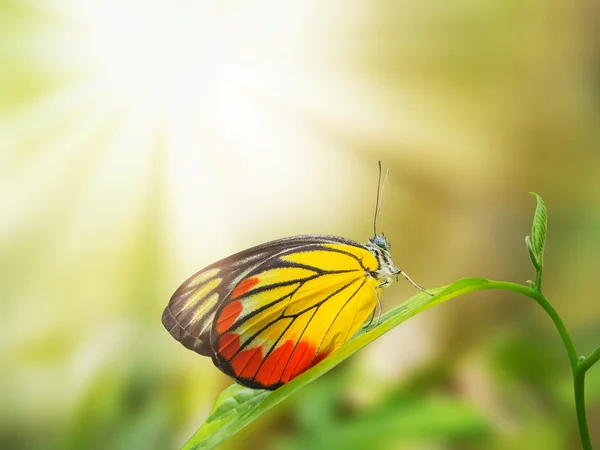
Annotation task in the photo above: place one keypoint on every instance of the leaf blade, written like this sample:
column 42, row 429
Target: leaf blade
column 539, row 229
column 532, row 254
column 238, row 406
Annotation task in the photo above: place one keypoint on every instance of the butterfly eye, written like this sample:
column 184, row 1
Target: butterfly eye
column 381, row 242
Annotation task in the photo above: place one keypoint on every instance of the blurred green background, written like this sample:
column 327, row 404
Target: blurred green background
column 141, row 141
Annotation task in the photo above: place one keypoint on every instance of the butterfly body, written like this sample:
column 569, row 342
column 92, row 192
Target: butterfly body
column 269, row 313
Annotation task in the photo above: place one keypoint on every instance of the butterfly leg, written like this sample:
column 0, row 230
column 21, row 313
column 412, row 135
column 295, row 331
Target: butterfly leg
column 377, row 288
column 368, row 325
column 412, row 282
column 378, row 306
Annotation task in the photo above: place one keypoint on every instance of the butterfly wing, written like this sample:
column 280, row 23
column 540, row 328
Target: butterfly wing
column 288, row 313
column 190, row 312
column 269, row 313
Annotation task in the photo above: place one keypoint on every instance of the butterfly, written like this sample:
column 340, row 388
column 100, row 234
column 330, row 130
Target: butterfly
column 269, row 313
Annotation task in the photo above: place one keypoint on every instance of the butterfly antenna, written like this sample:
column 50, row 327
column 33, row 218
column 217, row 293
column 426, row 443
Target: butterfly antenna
column 379, row 201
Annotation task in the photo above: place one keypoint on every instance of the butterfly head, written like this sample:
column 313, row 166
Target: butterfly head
column 380, row 247
column 381, row 242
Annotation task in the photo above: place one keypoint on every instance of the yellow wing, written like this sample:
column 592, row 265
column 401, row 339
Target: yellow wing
column 292, row 311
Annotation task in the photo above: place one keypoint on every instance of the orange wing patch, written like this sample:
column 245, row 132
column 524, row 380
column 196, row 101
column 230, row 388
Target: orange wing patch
column 228, row 316
column 273, row 366
column 229, row 344
column 246, row 363
column 244, row 286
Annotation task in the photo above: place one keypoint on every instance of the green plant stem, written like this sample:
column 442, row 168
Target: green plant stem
column 578, row 367
column 538, row 282
column 579, row 387
column 588, row 362
column 544, row 303
column 579, row 383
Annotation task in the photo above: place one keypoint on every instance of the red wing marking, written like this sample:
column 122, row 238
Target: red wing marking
column 229, row 344
column 301, row 360
column 243, row 287
column 320, row 357
column 273, row 367
column 228, row 316
column 246, row 363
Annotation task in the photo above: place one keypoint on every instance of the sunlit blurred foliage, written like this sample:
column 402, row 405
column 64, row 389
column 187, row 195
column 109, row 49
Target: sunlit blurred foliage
column 140, row 141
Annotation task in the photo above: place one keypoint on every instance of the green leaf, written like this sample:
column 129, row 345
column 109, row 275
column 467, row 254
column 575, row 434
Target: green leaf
column 531, row 252
column 237, row 406
column 538, row 231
